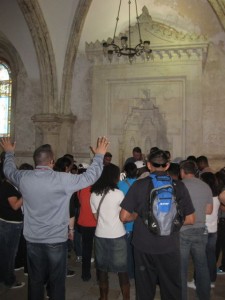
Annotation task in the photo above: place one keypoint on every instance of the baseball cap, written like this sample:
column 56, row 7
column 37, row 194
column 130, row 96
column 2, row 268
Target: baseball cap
column 140, row 164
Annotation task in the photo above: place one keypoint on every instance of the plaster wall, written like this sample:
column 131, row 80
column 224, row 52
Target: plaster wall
column 193, row 90
column 188, row 16
column 59, row 17
column 14, row 27
column 189, row 128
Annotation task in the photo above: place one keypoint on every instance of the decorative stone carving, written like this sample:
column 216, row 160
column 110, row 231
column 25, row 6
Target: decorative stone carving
column 55, row 130
column 166, row 43
column 145, row 127
column 121, row 98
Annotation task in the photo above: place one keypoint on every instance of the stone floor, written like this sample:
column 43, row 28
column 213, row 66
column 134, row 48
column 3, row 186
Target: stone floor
column 77, row 289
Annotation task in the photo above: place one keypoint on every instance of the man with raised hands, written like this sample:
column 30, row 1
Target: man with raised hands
column 46, row 196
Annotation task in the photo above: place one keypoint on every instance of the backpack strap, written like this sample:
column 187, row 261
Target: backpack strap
column 101, row 200
column 127, row 182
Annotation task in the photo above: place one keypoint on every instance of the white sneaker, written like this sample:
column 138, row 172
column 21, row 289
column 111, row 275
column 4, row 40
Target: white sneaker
column 92, row 259
column 191, row 285
column 17, row 285
column 212, row 285
column 18, row 269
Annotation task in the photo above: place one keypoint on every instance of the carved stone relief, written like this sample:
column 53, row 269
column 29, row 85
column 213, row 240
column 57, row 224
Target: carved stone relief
column 53, row 129
column 151, row 103
column 144, row 126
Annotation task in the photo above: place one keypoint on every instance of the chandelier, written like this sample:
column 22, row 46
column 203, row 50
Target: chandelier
column 126, row 49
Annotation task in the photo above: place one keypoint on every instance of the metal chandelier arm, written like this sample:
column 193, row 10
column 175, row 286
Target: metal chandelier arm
column 110, row 49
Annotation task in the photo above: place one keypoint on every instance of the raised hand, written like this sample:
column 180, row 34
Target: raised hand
column 7, row 145
column 102, row 145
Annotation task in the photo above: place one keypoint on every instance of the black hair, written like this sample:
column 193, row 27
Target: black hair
column 154, row 149
column 108, row 154
column 70, row 156
column 81, row 170
column 26, row 166
column 202, row 159
column 74, row 169
column 192, row 158
column 62, row 163
column 174, row 170
column 210, row 179
column 43, row 154
column 168, row 154
column 189, row 167
column 220, row 179
column 107, row 181
column 131, row 170
column 137, row 149
column 158, row 155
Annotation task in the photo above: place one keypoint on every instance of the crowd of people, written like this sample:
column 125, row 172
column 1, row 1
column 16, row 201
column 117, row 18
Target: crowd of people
column 102, row 212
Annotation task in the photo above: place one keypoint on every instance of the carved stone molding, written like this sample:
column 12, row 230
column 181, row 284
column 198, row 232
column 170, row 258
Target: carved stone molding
column 167, row 43
column 56, row 130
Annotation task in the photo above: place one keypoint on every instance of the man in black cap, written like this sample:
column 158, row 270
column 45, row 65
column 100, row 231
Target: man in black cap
column 157, row 258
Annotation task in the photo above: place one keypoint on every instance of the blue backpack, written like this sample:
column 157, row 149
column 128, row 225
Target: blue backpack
column 164, row 216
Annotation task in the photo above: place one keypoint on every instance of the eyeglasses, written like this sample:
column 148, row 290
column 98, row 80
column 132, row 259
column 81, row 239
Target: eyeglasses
column 159, row 165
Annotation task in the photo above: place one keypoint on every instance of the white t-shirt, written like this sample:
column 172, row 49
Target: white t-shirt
column 211, row 220
column 109, row 224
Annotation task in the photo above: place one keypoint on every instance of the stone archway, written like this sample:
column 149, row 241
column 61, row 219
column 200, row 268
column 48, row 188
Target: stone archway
column 18, row 73
column 71, row 52
column 219, row 8
column 39, row 32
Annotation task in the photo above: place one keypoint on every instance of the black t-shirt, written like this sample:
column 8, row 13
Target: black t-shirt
column 136, row 200
column 7, row 213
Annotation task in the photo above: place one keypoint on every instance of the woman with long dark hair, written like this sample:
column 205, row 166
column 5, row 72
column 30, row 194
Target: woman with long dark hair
column 110, row 234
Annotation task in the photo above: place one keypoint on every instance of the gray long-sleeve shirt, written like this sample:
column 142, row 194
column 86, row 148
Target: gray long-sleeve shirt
column 46, row 196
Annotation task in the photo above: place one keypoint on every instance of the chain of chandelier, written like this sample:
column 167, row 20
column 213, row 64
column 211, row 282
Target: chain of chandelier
column 126, row 49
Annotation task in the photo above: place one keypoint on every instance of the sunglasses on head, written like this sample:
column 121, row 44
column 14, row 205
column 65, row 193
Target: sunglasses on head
column 158, row 165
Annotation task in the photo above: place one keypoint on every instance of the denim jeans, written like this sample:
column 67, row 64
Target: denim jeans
column 46, row 261
column 193, row 242
column 9, row 241
column 111, row 254
column 211, row 255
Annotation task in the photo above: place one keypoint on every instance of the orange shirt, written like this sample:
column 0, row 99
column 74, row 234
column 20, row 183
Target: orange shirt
column 86, row 217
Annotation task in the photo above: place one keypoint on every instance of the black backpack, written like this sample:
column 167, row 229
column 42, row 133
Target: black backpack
column 163, row 215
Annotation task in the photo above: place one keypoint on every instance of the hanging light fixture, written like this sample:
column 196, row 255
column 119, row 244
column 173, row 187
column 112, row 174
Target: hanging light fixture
column 126, row 49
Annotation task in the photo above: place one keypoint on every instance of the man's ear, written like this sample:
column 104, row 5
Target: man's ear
column 149, row 166
column 52, row 162
column 182, row 173
column 167, row 166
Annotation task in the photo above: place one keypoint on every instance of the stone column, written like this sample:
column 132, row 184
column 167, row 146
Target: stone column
column 56, row 130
